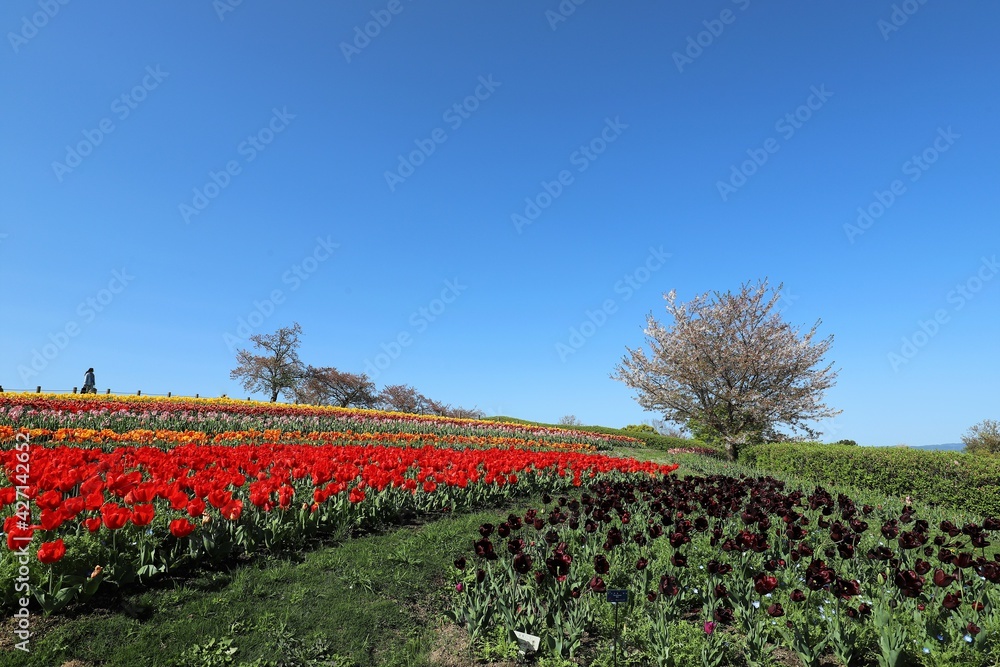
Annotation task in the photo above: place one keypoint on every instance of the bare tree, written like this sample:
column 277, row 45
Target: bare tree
column 328, row 386
column 569, row 420
column 438, row 408
column 466, row 413
column 983, row 438
column 402, row 398
column 279, row 370
column 730, row 366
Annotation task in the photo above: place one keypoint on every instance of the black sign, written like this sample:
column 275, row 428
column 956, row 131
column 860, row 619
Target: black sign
column 617, row 596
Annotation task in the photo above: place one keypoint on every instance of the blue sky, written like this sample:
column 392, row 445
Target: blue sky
column 506, row 167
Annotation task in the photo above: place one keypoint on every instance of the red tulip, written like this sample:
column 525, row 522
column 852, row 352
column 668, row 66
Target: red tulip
column 181, row 528
column 51, row 552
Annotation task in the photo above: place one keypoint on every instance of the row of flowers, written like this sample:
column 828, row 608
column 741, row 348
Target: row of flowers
column 193, row 437
column 822, row 576
column 90, row 516
column 217, row 415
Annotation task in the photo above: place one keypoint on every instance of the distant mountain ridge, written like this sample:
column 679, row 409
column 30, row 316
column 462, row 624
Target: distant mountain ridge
column 948, row 447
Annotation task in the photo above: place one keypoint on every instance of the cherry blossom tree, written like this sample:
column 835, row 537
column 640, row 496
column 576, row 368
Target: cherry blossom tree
column 727, row 365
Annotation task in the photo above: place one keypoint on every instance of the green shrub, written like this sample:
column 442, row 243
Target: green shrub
column 961, row 481
column 983, row 438
column 639, row 428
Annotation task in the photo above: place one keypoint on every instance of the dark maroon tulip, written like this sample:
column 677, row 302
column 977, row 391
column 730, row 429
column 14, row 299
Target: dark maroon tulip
column 601, row 565
column 819, row 575
column 668, row 585
column 922, row 567
column 723, row 615
column 952, row 600
column 679, row 560
column 775, row 610
column 651, row 596
column 597, row 585
column 798, row 596
column 522, row 563
column 503, row 530
column 846, row 588
column 941, row 579
column 678, row 540
column 910, row 583
column 765, row 583
column 641, row 564
column 484, row 549
column 480, row 576
column 460, row 562
column 486, row 529
column 972, row 629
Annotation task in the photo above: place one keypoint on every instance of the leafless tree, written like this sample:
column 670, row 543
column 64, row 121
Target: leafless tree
column 569, row 420
column 459, row 412
column 402, row 398
column 278, row 370
column 728, row 364
column 328, row 386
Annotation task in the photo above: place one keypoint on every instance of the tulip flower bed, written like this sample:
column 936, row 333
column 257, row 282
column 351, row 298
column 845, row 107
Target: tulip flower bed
column 735, row 568
column 168, row 438
column 94, row 517
column 213, row 416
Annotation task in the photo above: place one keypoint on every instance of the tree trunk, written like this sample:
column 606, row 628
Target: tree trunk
column 274, row 395
column 731, row 450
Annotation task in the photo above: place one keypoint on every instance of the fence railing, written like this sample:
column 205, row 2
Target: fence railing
column 107, row 392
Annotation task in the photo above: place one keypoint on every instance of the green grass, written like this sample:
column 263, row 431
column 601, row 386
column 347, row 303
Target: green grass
column 373, row 600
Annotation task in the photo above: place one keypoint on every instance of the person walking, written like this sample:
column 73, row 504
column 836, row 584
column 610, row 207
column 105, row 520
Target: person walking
column 89, row 385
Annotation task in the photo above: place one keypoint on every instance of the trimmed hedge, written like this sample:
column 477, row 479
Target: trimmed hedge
column 961, row 481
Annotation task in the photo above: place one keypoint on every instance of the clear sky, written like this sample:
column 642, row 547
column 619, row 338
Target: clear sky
column 474, row 178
